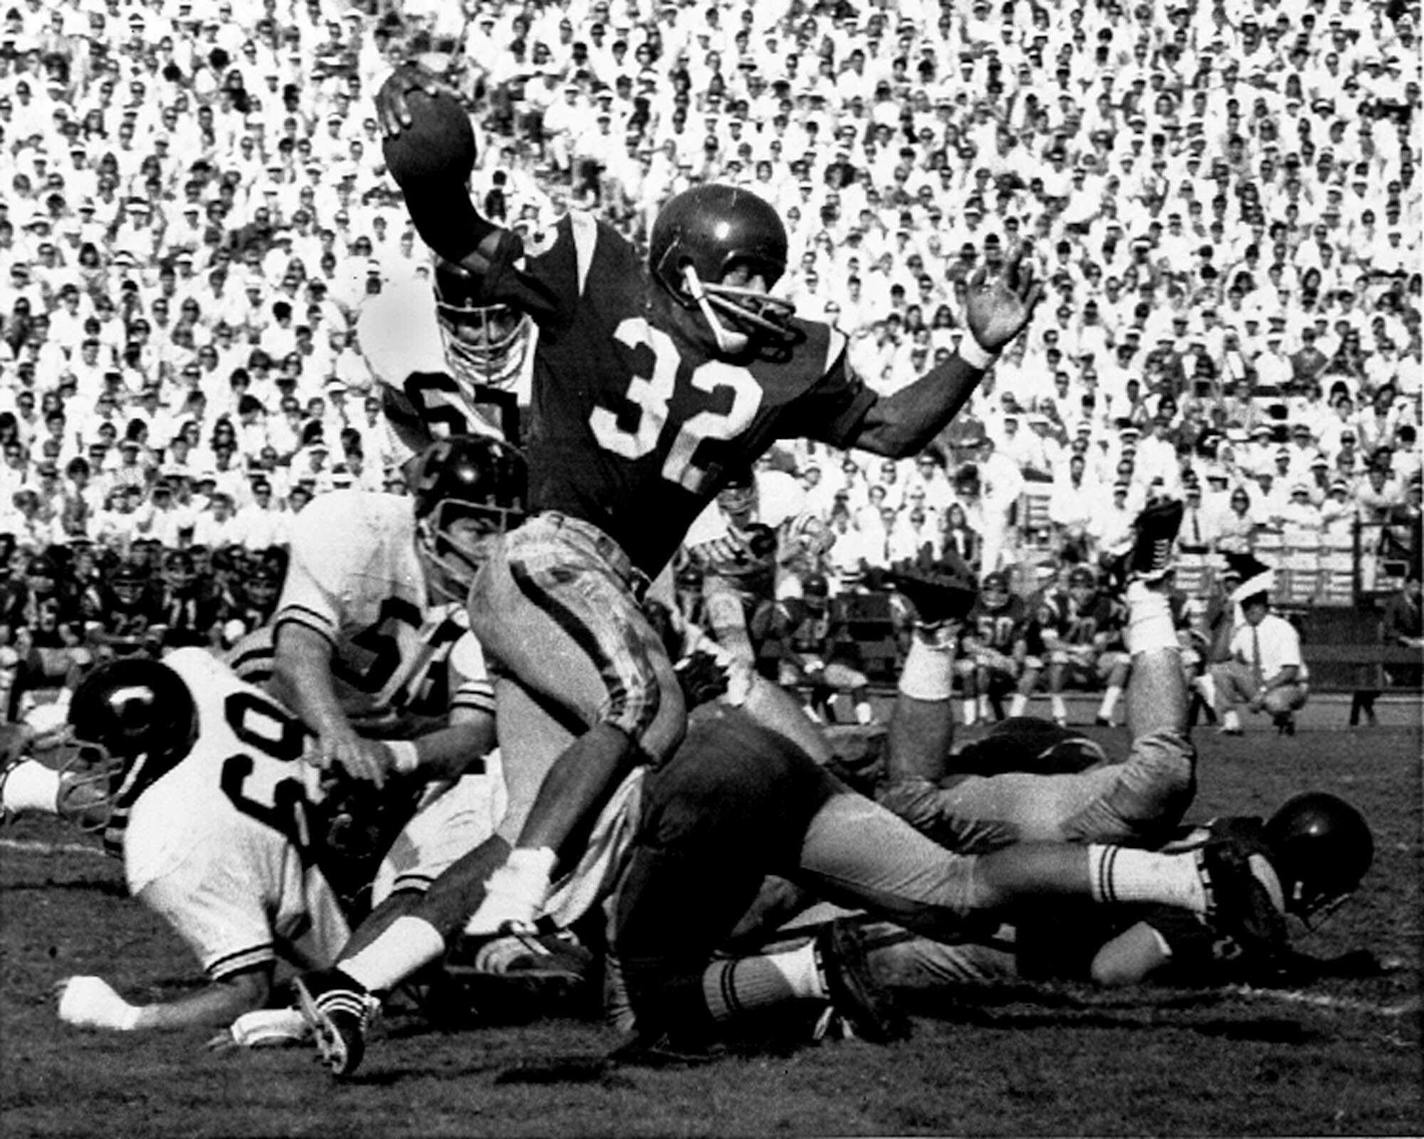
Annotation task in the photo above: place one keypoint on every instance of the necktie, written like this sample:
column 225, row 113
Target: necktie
column 1256, row 654
column 1196, row 527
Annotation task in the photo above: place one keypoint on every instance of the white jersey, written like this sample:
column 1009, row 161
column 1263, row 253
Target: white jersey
column 218, row 846
column 221, row 846
column 424, row 401
column 355, row 578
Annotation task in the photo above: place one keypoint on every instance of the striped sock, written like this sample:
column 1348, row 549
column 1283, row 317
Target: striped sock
column 735, row 987
column 1124, row 874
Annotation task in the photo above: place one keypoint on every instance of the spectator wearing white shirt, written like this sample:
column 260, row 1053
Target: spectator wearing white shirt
column 1266, row 672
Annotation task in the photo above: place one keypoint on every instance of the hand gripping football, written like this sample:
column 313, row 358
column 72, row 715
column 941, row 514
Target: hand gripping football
column 439, row 144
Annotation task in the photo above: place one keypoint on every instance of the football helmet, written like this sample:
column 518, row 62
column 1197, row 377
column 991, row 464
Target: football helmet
column 179, row 572
column 484, row 344
column 468, row 489
column 42, row 575
column 816, row 592
column 1320, row 848
column 994, row 590
column 129, row 581
column 703, row 234
column 262, row 581
column 738, row 496
column 131, row 721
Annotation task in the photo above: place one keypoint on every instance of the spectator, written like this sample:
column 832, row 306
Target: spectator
column 1265, row 672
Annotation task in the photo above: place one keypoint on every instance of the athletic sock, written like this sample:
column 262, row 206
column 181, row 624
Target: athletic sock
column 1125, row 874
column 1149, row 620
column 408, row 944
column 738, row 986
column 514, row 892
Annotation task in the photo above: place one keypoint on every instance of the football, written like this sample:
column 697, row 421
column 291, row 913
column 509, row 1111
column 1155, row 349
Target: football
column 439, row 144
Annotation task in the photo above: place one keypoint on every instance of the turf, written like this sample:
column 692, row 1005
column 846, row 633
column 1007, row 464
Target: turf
column 1341, row 1059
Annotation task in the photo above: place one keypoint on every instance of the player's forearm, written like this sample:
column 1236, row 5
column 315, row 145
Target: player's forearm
column 218, row 1005
column 301, row 679
column 452, row 751
column 906, row 422
column 448, row 222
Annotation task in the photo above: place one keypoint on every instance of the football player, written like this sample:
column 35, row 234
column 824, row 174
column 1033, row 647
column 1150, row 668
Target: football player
column 681, row 851
column 128, row 612
column 1081, row 631
column 370, row 645
column 1013, row 786
column 812, row 649
column 1310, row 856
column 191, row 613
column 452, row 367
column 196, row 780
column 652, row 379
column 994, row 648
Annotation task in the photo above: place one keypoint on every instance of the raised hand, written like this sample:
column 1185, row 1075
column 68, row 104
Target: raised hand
column 999, row 306
column 392, row 114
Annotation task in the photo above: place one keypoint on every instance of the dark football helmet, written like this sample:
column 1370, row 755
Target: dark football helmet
column 129, row 581
column 708, row 231
column 131, row 722
column 994, row 590
column 179, row 572
column 1320, row 848
column 816, row 592
column 484, row 343
column 738, row 496
column 262, row 581
column 469, row 488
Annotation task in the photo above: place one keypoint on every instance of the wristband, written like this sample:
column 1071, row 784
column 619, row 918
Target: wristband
column 976, row 356
column 404, row 756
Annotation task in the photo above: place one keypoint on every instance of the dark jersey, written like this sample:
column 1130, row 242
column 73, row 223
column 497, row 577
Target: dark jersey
column 1075, row 626
column 998, row 628
column 634, row 425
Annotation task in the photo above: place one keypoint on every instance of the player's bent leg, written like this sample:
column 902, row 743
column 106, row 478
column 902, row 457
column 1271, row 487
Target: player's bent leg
column 715, row 821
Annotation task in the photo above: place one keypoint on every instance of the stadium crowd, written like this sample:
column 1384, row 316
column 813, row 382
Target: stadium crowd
column 1222, row 196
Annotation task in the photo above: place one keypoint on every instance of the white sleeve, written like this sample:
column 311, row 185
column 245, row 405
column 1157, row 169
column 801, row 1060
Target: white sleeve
column 470, row 686
column 325, row 547
column 217, row 909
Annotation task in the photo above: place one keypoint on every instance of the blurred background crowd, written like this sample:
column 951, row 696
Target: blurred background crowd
column 1222, row 197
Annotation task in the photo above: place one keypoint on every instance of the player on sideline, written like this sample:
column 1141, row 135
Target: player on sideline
column 651, row 381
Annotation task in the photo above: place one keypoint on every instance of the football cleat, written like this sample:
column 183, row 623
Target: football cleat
column 860, row 1000
column 1157, row 526
column 1238, row 901
column 940, row 588
column 339, row 1012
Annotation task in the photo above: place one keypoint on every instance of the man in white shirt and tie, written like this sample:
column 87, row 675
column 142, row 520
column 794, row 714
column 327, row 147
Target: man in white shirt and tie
column 1265, row 672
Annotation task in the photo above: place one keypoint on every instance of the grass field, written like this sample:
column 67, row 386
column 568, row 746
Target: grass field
column 1342, row 1059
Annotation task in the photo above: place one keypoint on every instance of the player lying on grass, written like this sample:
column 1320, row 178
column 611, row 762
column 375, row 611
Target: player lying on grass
column 198, row 782
column 680, row 853
column 1311, row 855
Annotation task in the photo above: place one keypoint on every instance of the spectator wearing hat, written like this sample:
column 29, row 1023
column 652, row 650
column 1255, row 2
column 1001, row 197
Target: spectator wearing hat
column 1266, row 672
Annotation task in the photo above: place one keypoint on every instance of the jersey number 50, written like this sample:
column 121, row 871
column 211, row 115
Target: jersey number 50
column 652, row 395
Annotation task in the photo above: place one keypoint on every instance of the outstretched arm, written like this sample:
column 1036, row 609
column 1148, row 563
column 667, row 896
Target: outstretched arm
column 90, row 1002
column 997, row 309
